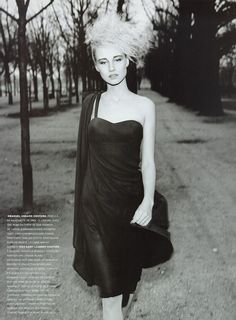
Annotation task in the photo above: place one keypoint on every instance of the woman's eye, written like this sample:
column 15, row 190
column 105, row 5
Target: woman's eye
column 118, row 59
column 102, row 62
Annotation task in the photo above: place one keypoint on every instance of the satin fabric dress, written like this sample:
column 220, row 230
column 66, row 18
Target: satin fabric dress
column 108, row 255
column 109, row 251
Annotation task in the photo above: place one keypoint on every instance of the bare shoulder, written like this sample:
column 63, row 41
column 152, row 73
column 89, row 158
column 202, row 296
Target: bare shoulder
column 146, row 105
column 143, row 101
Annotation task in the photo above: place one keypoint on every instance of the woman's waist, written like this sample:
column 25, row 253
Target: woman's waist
column 106, row 174
column 124, row 154
column 116, row 166
column 111, row 171
column 116, row 188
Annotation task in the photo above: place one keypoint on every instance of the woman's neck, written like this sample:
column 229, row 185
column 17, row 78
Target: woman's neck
column 118, row 90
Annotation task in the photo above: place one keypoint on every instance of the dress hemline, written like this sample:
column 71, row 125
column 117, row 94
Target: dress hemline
column 93, row 283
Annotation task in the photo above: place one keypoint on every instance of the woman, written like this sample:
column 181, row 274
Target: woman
column 113, row 192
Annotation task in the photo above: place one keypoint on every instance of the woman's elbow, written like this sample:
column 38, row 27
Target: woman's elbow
column 148, row 166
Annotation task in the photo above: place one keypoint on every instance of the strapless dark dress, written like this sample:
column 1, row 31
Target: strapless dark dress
column 108, row 253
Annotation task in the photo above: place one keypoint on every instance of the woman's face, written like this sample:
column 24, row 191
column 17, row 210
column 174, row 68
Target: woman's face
column 111, row 63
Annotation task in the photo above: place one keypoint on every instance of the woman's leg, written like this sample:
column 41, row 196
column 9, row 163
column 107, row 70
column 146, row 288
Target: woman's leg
column 125, row 309
column 111, row 308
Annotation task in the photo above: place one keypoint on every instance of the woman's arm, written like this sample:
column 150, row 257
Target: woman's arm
column 143, row 213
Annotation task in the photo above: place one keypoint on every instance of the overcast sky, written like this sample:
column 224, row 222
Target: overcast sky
column 35, row 5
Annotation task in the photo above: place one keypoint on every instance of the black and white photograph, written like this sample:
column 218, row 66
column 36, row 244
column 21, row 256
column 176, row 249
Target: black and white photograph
column 118, row 159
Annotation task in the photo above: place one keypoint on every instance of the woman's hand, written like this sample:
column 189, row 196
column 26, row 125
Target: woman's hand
column 143, row 213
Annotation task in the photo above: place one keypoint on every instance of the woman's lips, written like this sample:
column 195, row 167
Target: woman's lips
column 113, row 76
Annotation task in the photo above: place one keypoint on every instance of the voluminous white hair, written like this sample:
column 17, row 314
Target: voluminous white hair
column 131, row 38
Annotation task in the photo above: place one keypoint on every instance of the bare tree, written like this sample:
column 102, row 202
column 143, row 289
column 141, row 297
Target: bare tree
column 196, row 50
column 225, row 15
column 50, row 62
column 1, row 73
column 159, row 62
column 33, row 62
column 132, row 81
column 181, row 77
column 207, row 50
column 68, row 57
column 8, row 54
column 22, row 21
column 58, row 65
column 44, row 43
column 77, row 15
column 71, row 38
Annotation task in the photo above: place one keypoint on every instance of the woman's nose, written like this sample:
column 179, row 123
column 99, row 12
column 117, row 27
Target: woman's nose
column 111, row 66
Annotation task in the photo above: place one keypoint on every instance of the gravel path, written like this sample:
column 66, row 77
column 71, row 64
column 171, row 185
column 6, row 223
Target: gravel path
column 195, row 159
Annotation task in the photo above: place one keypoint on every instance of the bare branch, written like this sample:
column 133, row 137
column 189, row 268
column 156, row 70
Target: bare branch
column 86, row 6
column 226, row 14
column 65, row 15
column 40, row 11
column 4, row 42
column 14, row 68
column 27, row 4
column 107, row 5
column 226, row 41
column 164, row 11
column 1, row 58
column 95, row 11
column 157, row 11
column 220, row 5
column 9, row 15
column 61, row 29
column 2, row 71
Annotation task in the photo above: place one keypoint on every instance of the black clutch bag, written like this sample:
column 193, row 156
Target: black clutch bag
column 154, row 238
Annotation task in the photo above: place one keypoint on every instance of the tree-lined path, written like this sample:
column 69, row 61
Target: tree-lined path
column 195, row 160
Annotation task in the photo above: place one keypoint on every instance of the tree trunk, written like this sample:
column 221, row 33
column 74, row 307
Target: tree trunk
column 84, row 82
column 120, row 4
column 45, row 96
column 14, row 84
column 59, row 81
column 60, row 85
column 180, row 88
column 76, row 82
column 24, row 118
column 45, row 88
column 52, row 85
column 30, row 99
column 10, row 96
column 132, row 77
column 0, row 87
column 35, row 82
column 52, row 80
column 206, row 68
column 132, row 70
column 5, row 87
column 70, row 85
column 75, row 75
column 9, row 84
